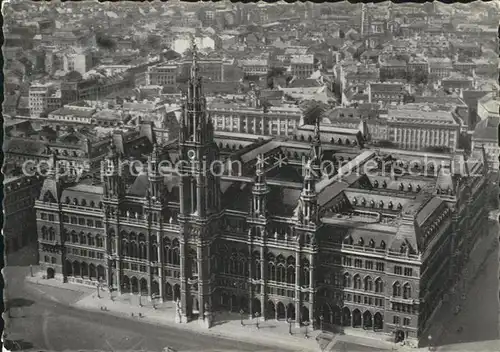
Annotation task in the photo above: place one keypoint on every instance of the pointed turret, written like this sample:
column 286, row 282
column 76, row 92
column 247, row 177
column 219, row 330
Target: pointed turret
column 260, row 189
column 112, row 174
column 307, row 210
column 53, row 172
column 52, row 184
column 194, row 121
column 154, row 174
column 316, row 154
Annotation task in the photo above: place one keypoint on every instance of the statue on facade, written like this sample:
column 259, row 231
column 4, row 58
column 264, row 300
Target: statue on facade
column 300, row 212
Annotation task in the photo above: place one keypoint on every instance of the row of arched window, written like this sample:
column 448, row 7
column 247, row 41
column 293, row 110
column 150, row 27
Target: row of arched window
column 139, row 250
column 437, row 222
column 64, row 152
column 84, row 239
column 82, row 203
column 135, row 246
column 361, row 243
column 404, row 248
column 48, row 234
column 339, row 141
column 372, row 204
column 377, row 286
column 277, row 269
column 367, row 284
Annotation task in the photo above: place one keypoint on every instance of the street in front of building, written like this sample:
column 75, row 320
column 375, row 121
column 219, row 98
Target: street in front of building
column 41, row 318
column 475, row 327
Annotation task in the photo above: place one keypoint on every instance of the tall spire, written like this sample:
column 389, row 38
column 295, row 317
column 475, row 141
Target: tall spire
column 260, row 189
column 316, row 139
column 52, row 172
column 194, row 122
column 259, row 169
column 316, row 150
column 194, row 65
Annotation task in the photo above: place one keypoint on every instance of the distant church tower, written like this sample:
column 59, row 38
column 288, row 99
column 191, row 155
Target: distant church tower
column 364, row 25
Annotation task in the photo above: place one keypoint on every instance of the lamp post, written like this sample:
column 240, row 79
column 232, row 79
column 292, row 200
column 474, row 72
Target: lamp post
column 306, row 324
column 257, row 314
column 241, row 317
column 98, row 285
column 153, row 300
column 31, row 270
column 289, row 320
column 321, row 318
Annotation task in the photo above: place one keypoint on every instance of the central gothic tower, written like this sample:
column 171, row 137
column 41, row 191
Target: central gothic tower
column 200, row 203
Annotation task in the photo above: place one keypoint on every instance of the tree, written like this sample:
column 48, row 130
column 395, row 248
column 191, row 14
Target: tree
column 73, row 76
column 153, row 41
column 105, row 42
column 313, row 110
column 170, row 55
column 417, row 76
column 272, row 73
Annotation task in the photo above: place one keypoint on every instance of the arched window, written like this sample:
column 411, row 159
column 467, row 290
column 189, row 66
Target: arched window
column 271, row 268
column 92, row 204
column 368, row 284
column 379, row 285
column 396, row 289
column 67, row 200
column 75, row 201
column 133, row 249
column 142, row 250
column 125, row 251
column 256, row 270
column 281, row 273
column 44, row 233
column 357, row 282
column 83, row 239
column 290, row 270
column 154, row 253
column 347, row 280
column 52, row 234
column 175, row 252
column 372, row 243
column 382, row 245
column 407, row 291
column 83, row 203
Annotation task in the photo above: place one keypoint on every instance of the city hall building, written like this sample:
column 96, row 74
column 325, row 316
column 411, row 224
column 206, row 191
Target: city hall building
column 372, row 243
